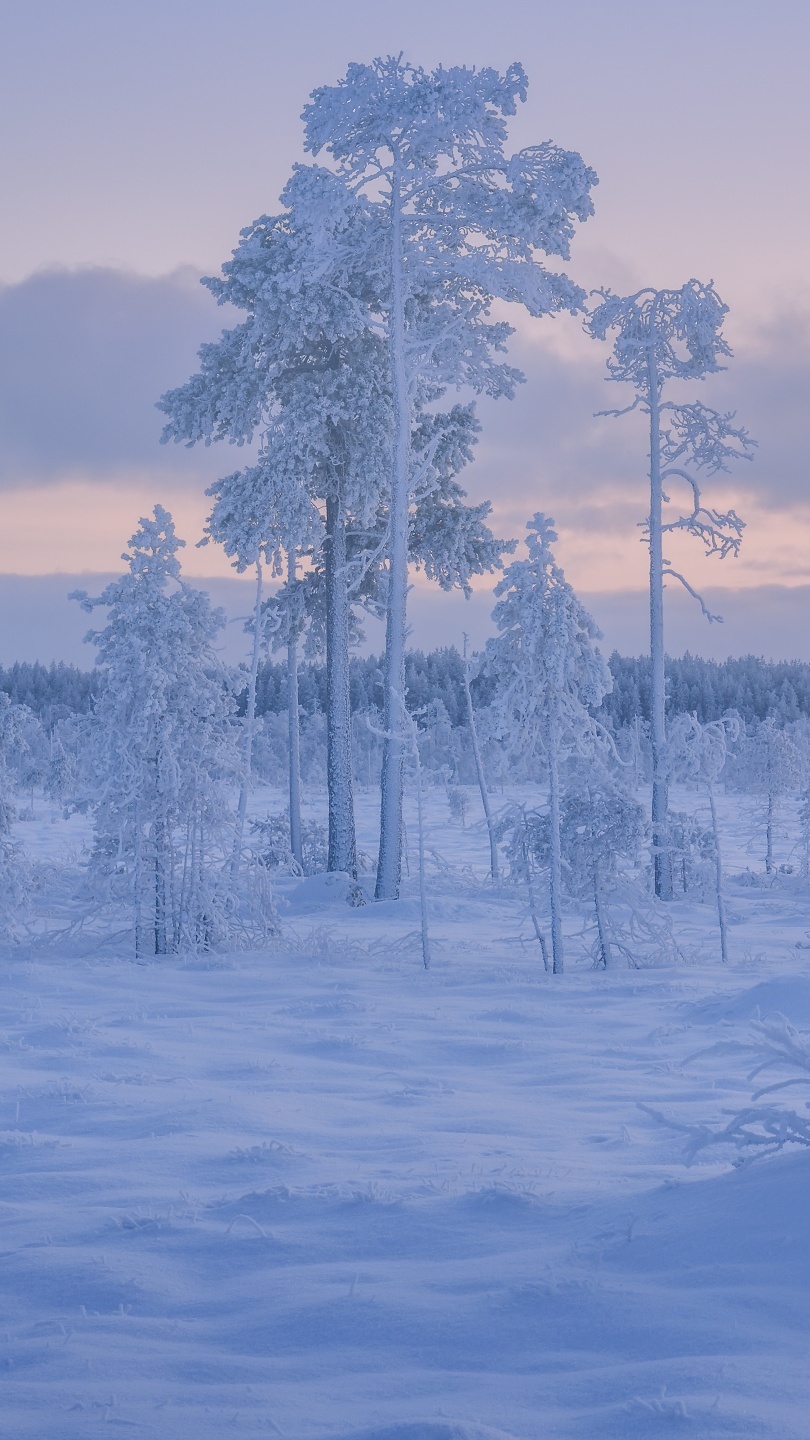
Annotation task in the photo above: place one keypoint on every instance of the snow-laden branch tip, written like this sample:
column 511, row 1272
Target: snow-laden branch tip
column 709, row 614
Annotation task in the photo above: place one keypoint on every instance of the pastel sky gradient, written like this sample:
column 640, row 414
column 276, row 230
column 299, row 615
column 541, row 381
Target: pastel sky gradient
column 140, row 137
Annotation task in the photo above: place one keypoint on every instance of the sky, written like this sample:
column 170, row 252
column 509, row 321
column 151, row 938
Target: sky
column 140, row 137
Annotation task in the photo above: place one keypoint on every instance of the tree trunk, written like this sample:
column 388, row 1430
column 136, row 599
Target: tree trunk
column 142, row 948
column 555, row 867
column 661, row 861
column 250, row 722
column 479, row 770
column 342, row 843
column 530, row 888
column 769, row 831
column 294, row 727
column 389, row 865
column 423, row 910
column 161, row 887
column 718, row 878
column 603, row 931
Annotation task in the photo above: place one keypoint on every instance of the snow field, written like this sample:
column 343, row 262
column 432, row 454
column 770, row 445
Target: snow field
column 319, row 1192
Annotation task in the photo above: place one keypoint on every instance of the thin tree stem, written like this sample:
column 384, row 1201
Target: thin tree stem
column 250, row 721
column 294, row 725
column 479, row 770
column 661, row 861
column 389, row 865
column 342, row 841
column 718, row 876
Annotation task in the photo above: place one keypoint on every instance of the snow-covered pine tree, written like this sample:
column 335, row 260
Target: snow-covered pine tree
column 307, row 371
column 161, row 737
column 550, row 676
column 664, row 336
column 454, row 223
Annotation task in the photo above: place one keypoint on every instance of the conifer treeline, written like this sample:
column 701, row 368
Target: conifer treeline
column 756, row 688
column 50, row 691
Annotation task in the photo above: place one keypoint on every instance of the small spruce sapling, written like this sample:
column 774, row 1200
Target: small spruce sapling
column 549, row 676
column 162, row 733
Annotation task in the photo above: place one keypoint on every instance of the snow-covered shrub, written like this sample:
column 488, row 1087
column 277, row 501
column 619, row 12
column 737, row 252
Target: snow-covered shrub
column 698, row 753
column 600, row 831
column 769, row 764
column 15, row 888
column 764, row 1127
column 23, row 754
column 692, row 854
column 459, row 802
column 271, row 844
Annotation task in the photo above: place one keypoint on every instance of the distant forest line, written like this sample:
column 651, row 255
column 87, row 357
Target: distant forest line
column 756, row 688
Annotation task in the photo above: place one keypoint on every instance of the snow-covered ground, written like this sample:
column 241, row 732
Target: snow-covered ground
column 321, row 1192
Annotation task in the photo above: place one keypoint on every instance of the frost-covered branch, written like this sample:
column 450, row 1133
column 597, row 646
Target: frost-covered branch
column 676, row 575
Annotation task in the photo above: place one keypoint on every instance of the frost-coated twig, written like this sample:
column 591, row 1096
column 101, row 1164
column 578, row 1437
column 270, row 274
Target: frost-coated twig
column 718, row 876
column 479, row 770
column 710, row 615
column 541, row 939
column 250, row 725
column 757, row 1129
column 294, row 726
column 422, row 882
